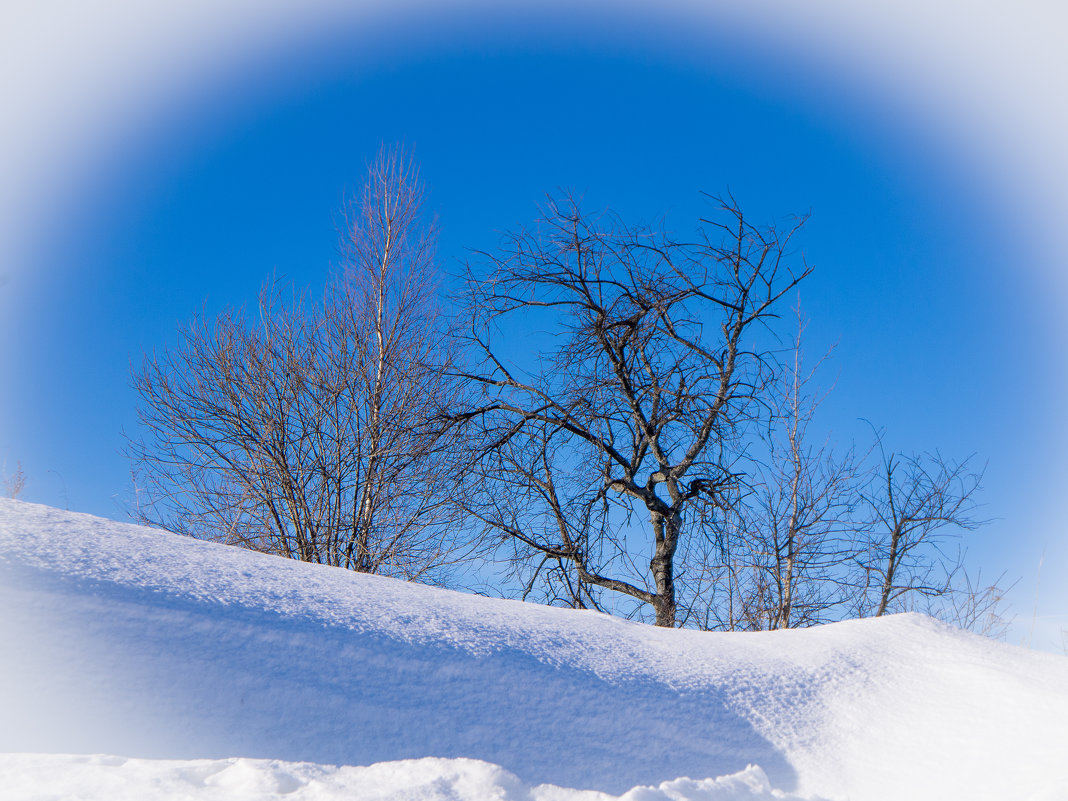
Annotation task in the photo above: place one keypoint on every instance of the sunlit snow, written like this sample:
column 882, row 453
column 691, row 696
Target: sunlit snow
column 209, row 672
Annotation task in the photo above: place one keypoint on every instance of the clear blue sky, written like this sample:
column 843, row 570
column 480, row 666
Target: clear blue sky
column 941, row 337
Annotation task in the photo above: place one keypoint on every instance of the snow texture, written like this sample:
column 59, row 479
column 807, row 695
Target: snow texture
column 88, row 778
column 119, row 639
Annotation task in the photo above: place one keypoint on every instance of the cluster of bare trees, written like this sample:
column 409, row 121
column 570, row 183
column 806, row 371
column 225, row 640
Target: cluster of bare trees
column 652, row 458
column 615, row 415
column 817, row 535
column 307, row 430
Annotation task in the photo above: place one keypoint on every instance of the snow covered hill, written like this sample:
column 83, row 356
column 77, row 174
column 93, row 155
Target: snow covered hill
column 132, row 642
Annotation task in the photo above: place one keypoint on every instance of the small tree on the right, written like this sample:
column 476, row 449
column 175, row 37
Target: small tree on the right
column 914, row 505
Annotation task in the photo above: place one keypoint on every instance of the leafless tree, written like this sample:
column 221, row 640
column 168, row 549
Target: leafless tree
column 307, row 432
column 914, row 504
column 782, row 548
column 972, row 604
column 14, row 482
column 821, row 536
column 654, row 361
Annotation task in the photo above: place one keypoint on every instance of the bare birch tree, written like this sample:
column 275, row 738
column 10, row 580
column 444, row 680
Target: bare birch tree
column 307, row 431
column 784, row 549
column 654, row 368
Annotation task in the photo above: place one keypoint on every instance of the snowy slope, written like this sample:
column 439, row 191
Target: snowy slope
column 37, row 777
column 124, row 640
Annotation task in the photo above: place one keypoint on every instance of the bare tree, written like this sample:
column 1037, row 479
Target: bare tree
column 783, row 546
column 973, row 604
column 14, row 482
column 654, row 366
column 914, row 503
column 308, row 432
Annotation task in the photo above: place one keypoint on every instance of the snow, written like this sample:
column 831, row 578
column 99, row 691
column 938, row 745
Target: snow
column 429, row 779
column 214, row 672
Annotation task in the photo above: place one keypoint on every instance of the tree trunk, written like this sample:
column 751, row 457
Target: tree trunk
column 662, row 565
column 891, row 570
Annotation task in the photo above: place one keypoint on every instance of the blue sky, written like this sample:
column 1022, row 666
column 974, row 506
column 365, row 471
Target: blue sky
column 943, row 336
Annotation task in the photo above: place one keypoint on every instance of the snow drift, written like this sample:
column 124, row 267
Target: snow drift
column 119, row 779
column 119, row 639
